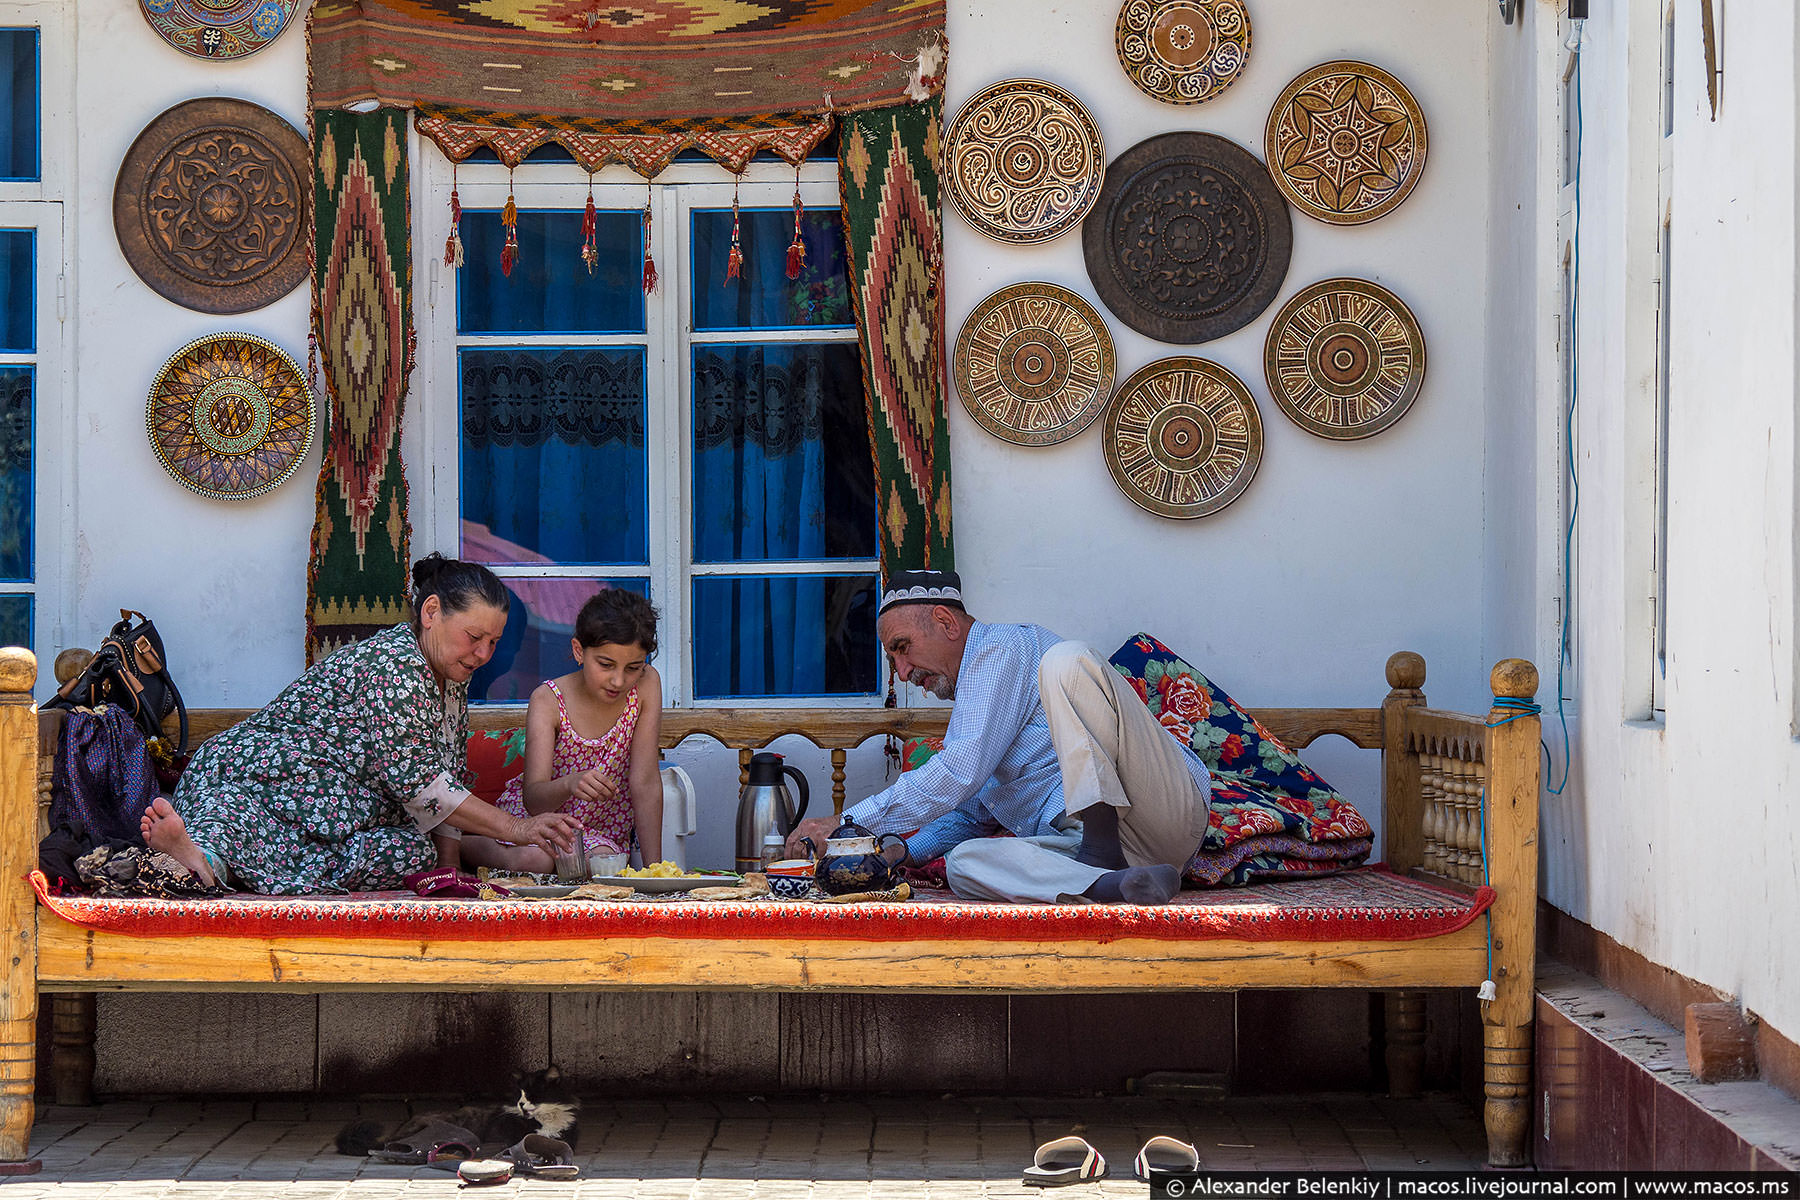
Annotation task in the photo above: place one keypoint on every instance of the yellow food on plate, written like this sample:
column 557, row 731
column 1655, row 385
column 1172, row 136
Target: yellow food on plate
column 662, row 870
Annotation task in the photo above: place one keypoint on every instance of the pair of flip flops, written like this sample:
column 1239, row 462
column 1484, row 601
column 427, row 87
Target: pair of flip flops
column 1071, row 1159
column 435, row 1139
column 533, row 1154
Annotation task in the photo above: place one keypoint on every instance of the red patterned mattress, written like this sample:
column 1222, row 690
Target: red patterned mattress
column 1370, row 904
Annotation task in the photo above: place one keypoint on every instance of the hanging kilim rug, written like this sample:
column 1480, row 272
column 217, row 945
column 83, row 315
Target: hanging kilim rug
column 888, row 171
column 642, row 59
column 356, row 581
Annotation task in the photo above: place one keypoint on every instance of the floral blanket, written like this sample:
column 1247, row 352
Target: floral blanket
column 1272, row 816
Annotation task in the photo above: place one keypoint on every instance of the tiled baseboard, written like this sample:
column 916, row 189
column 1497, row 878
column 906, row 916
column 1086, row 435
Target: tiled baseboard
column 1614, row 1092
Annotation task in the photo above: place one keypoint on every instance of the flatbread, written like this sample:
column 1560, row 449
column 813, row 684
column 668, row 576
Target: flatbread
column 727, row 893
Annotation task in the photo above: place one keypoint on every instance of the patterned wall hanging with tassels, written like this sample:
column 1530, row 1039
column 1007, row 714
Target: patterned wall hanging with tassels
column 888, row 176
column 356, row 579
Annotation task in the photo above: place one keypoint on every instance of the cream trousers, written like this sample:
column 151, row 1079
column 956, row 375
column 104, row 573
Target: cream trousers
column 1112, row 751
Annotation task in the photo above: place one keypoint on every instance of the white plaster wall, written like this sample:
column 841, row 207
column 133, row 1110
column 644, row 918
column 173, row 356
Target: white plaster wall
column 1680, row 834
column 1337, row 555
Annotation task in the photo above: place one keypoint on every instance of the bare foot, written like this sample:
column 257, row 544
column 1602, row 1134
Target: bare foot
column 164, row 831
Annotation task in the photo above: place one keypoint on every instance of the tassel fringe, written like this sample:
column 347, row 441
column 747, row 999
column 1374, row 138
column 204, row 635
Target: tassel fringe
column 509, row 253
column 734, row 262
column 590, row 252
column 796, row 255
column 650, row 279
column 453, row 245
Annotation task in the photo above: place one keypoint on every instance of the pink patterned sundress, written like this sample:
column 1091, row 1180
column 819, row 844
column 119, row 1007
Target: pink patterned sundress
column 606, row 824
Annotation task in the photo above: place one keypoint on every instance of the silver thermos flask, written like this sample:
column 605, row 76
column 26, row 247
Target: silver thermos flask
column 764, row 807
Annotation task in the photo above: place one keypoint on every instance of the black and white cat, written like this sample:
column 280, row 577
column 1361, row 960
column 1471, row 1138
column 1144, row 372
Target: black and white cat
column 539, row 1103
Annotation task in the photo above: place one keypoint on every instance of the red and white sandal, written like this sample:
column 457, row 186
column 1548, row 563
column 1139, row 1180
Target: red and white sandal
column 1062, row 1162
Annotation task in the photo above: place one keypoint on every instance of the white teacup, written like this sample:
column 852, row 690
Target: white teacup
column 607, row 865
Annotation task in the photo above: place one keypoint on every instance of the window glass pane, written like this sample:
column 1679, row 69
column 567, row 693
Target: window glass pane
column 554, row 467
column 16, row 491
column 782, row 467
column 763, row 297
column 18, row 290
column 19, row 104
column 550, row 290
column 810, row 635
column 535, row 646
column 15, row 621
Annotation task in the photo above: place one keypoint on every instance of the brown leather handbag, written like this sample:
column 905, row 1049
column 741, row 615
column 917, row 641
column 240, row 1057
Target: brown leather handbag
column 129, row 670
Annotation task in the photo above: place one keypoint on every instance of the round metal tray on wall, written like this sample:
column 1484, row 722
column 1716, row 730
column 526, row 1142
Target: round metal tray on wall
column 1183, row 51
column 1344, row 358
column 1183, row 437
column 1346, row 142
column 230, row 416
column 1034, row 364
column 1190, row 239
column 1023, row 161
column 210, row 205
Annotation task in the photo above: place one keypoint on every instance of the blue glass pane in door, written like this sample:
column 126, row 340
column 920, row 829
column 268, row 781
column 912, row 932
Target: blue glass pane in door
column 18, row 290
column 782, row 467
column 535, row 646
column 15, row 621
column 554, row 467
column 19, row 105
column 16, row 476
column 550, row 289
column 764, row 297
column 786, row 635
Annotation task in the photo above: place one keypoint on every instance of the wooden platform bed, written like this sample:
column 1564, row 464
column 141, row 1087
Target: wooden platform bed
column 1442, row 773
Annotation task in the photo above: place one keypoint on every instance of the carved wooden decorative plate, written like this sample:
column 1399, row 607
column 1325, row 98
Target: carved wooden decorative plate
column 218, row 28
column 1190, row 238
column 1183, row 437
column 1345, row 358
column 1183, row 51
column 210, row 205
column 1034, row 364
column 1346, row 142
column 1025, row 161
column 230, row 416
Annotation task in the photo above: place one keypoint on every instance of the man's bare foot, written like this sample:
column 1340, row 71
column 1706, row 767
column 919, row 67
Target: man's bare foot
column 165, row 832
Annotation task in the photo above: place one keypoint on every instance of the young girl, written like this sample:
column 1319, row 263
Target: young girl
column 591, row 741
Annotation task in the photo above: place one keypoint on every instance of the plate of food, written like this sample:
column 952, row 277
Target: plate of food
column 540, row 891
column 667, row 877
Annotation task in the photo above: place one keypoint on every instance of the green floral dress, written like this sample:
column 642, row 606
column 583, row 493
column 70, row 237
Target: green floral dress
column 337, row 783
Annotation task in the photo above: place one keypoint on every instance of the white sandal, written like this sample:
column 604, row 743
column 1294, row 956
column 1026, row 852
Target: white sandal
column 1062, row 1162
column 1163, row 1156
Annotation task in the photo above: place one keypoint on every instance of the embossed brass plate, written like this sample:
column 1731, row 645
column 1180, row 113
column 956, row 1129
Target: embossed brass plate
column 210, row 205
column 1034, row 364
column 1346, row 142
column 230, row 416
column 1183, row 437
column 1344, row 358
column 1190, row 238
column 1023, row 161
column 1183, row 51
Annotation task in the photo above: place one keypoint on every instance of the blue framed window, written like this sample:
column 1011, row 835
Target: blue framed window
column 21, row 59
column 18, row 434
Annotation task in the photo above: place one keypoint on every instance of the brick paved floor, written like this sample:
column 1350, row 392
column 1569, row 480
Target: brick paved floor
column 740, row 1149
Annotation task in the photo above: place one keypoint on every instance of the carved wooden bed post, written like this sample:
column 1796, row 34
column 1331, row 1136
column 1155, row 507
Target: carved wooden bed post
column 18, row 909
column 1513, row 778
column 1403, row 1012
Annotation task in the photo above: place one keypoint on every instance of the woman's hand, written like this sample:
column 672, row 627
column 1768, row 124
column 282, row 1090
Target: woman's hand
column 554, row 833
column 593, row 785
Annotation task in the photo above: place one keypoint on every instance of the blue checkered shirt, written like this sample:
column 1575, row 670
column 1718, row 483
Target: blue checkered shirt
column 998, row 767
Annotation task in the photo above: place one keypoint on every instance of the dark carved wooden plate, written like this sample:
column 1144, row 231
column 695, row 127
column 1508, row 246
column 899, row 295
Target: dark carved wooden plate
column 1345, row 358
column 1190, row 238
column 1346, row 142
column 210, row 205
column 218, row 28
column 230, row 416
column 1183, row 51
column 1034, row 364
column 1183, row 437
column 1023, row 160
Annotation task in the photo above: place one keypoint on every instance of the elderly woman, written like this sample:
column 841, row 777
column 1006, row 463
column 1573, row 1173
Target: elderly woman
column 341, row 782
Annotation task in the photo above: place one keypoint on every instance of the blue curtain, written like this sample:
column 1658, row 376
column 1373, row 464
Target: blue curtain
column 759, row 496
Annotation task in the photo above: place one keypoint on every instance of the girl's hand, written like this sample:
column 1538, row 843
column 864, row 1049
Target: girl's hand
column 555, row 833
column 593, row 785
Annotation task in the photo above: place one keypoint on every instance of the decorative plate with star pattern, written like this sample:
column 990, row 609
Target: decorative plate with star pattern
column 1346, row 142
column 230, row 416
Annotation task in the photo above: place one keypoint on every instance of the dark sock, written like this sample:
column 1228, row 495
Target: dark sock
column 1155, row 884
column 1100, row 838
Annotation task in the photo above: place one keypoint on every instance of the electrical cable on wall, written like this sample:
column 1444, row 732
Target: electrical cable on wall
column 1568, row 582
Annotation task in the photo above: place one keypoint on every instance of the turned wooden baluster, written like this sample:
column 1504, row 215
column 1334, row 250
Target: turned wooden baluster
column 18, row 909
column 72, row 1023
column 837, row 782
column 1513, row 780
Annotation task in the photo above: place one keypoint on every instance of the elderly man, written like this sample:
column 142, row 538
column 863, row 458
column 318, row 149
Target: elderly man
column 1046, row 741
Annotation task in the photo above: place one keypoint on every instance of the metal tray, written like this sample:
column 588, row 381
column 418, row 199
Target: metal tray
column 669, row 883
